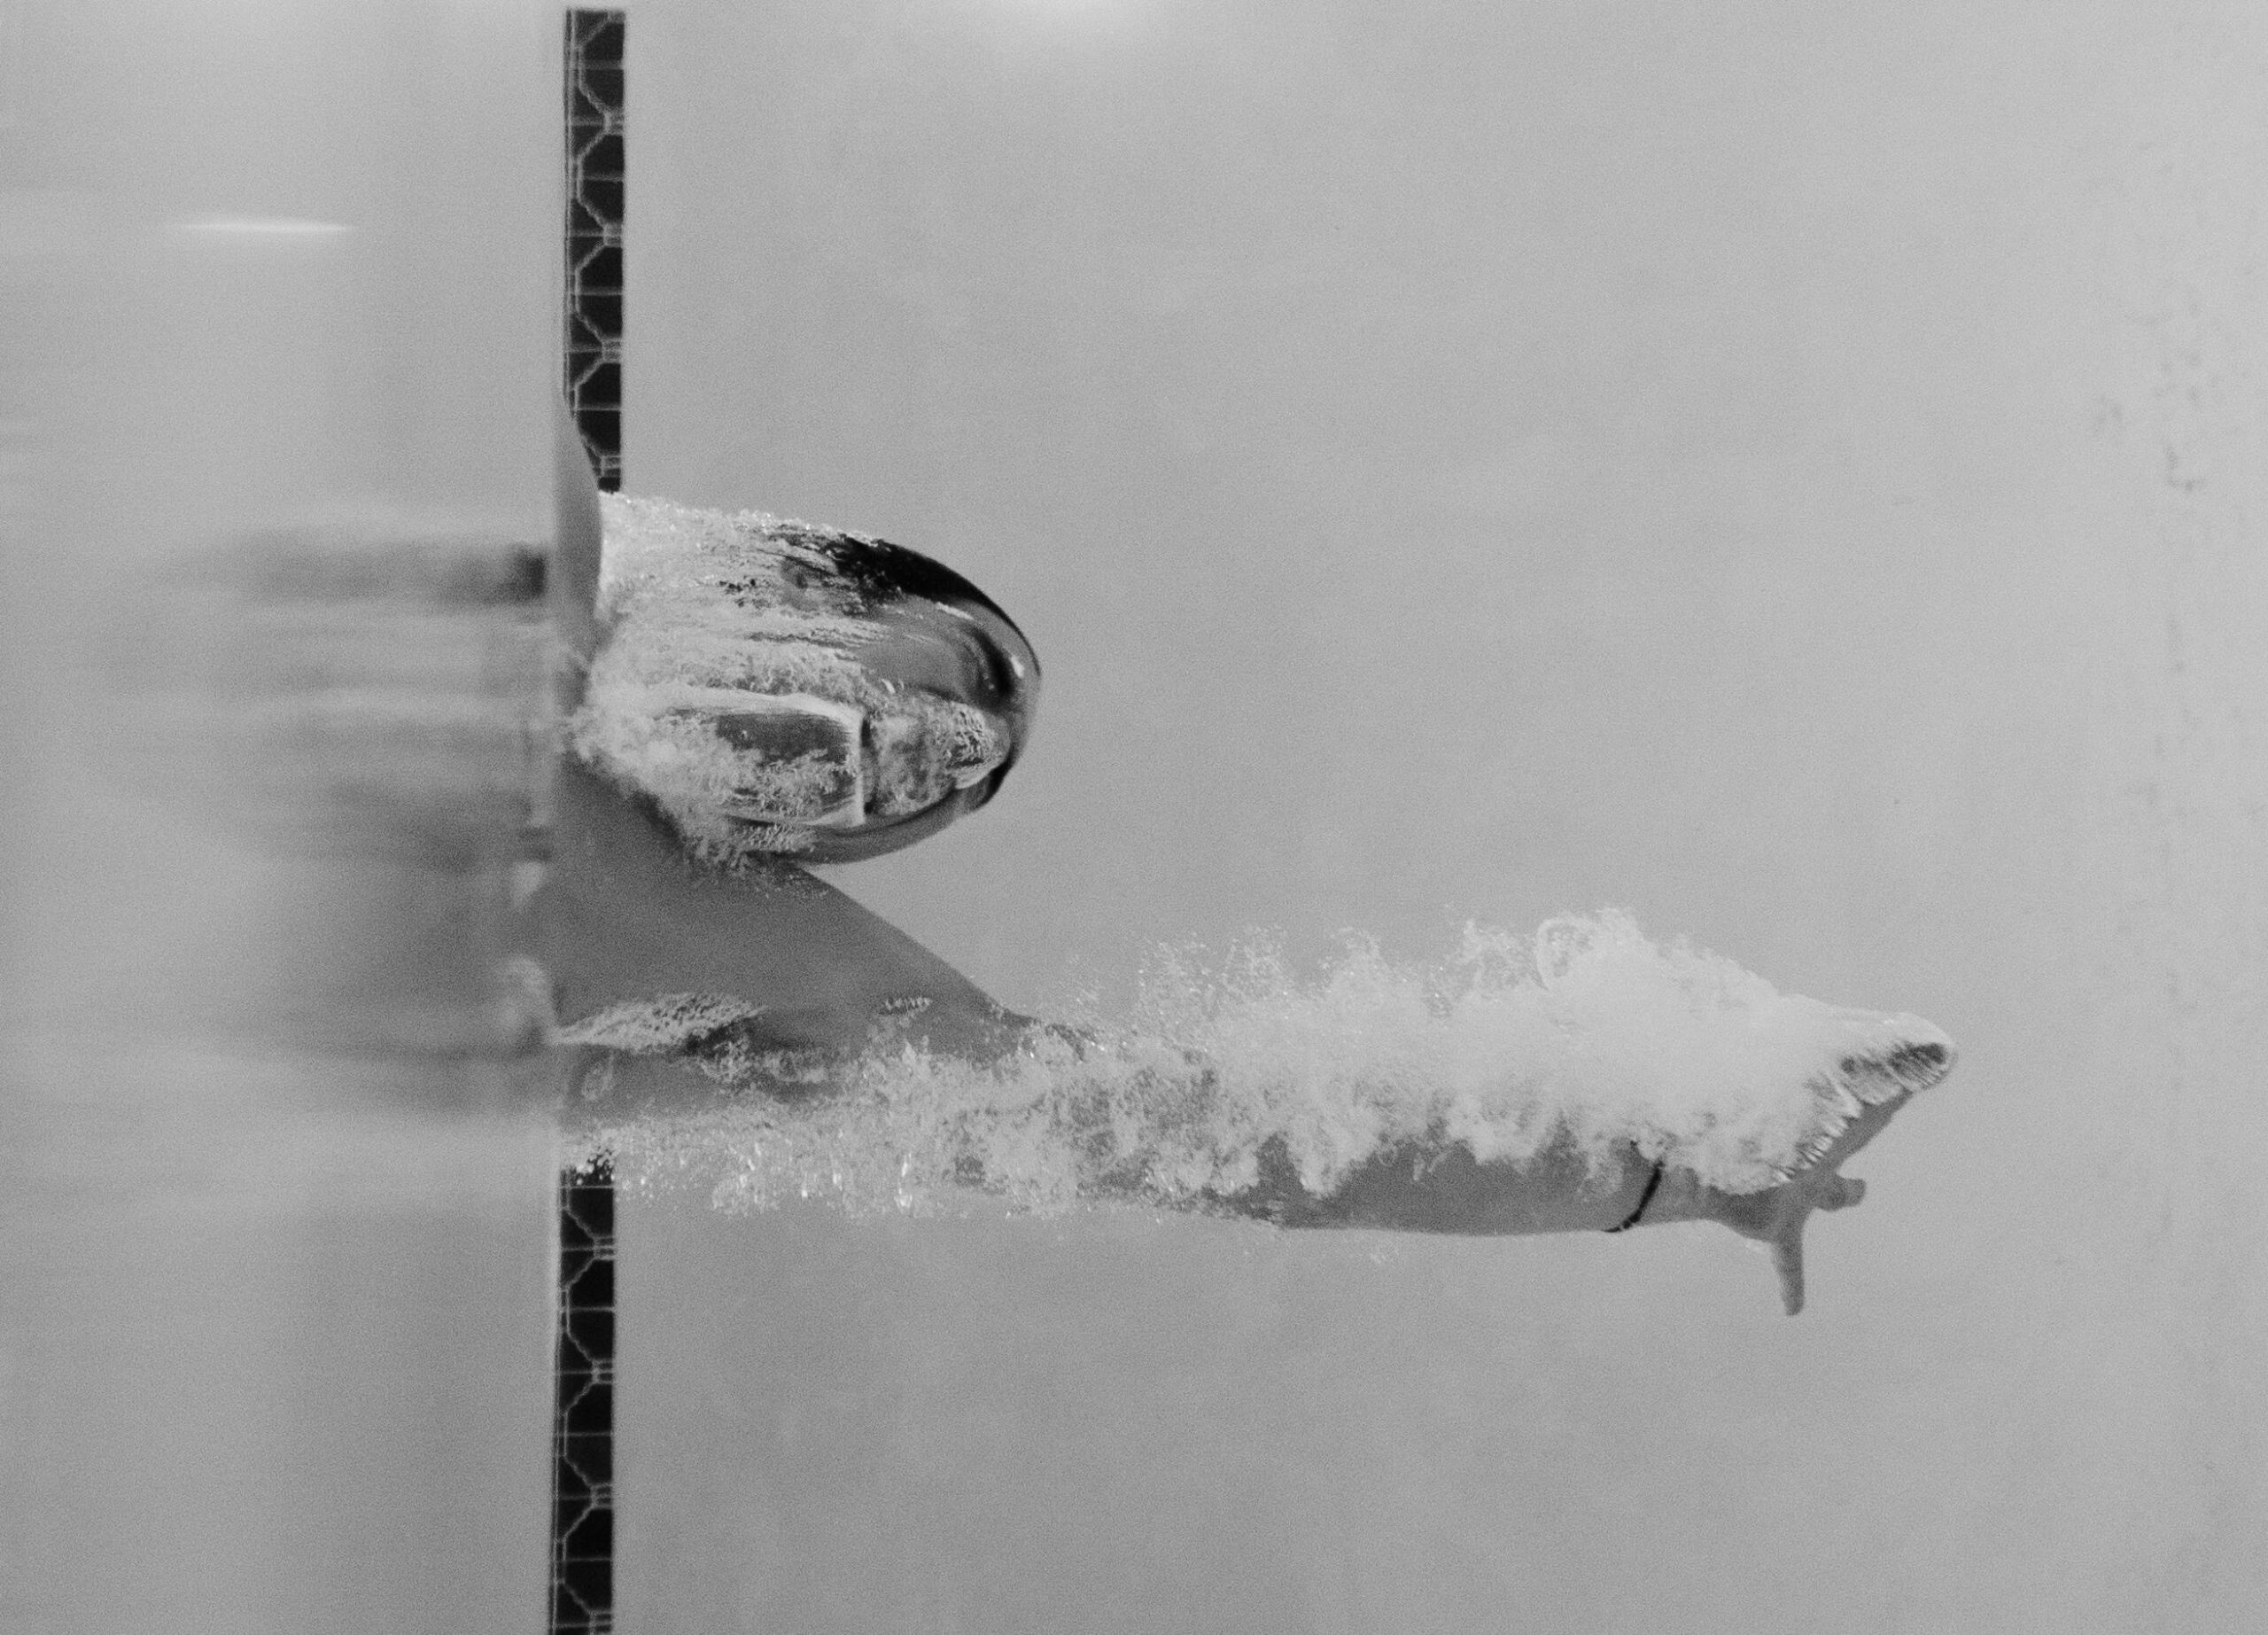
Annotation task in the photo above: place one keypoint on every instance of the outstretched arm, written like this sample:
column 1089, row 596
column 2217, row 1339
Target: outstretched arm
column 1419, row 1188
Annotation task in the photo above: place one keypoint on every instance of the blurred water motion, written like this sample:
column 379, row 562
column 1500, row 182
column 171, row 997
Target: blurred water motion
column 367, row 710
column 278, row 287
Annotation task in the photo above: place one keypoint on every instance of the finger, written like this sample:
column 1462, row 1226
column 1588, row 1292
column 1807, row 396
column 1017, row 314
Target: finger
column 1788, row 1261
column 1841, row 1192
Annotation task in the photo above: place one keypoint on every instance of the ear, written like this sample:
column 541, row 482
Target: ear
column 574, row 580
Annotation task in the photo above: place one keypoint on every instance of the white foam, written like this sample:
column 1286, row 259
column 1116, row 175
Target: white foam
column 1586, row 1032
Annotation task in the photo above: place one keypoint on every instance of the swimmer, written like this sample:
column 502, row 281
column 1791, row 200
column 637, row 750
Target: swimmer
column 665, row 925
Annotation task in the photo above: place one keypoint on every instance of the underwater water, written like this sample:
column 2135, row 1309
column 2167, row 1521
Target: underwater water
column 276, row 1242
column 1791, row 478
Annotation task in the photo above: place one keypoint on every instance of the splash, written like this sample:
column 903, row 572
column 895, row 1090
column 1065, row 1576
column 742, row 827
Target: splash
column 1587, row 1034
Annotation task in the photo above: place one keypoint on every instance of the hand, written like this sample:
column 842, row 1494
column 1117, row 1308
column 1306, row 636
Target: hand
column 1776, row 1216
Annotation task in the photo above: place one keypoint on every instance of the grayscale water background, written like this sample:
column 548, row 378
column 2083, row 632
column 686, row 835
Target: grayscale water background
column 1796, row 476
column 1793, row 475
column 277, row 1227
